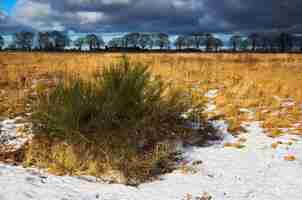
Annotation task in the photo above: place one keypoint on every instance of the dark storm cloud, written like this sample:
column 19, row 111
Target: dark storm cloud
column 257, row 14
column 172, row 16
column 109, row 15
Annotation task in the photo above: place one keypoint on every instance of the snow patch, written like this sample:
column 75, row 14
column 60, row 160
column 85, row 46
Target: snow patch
column 14, row 134
column 211, row 94
column 254, row 172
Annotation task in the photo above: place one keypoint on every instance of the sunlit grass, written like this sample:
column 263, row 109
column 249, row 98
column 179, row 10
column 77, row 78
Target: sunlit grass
column 122, row 120
column 253, row 81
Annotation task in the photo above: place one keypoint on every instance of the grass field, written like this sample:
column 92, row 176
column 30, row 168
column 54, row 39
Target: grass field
column 268, row 84
column 117, row 118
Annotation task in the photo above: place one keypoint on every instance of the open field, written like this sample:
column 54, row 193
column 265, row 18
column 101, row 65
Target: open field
column 253, row 102
column 268, row 84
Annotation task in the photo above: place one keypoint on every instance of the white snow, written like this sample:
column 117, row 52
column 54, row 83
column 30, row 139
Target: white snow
column 210, row 106
column 211, row 93
column 13, row 134
column 255, row 172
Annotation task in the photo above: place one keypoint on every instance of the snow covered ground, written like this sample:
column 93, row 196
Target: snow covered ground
column 13, row 134
column 257, row 171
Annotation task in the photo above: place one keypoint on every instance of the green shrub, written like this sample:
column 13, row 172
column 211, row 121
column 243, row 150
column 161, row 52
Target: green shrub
column 127, row 94
column 120, row 97
column 114, row 121
column 67, row 108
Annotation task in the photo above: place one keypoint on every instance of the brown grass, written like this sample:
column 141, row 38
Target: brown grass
column 267, row 84
column 260, row 82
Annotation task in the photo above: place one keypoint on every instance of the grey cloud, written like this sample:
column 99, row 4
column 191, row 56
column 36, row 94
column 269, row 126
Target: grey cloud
column 171, row 16
column 9, row 25
column 262, row 15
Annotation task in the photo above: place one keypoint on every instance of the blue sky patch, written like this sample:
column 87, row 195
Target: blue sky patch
column 7, row 5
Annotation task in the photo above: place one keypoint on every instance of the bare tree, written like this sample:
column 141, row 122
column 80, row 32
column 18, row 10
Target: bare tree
column 244, row 45
column 198, row 39
column 93, row 41
column 208, row 42
column 285, row 41
column 79, row 42
column 132, row 39
column 235, row 41
column 153, row 40
column 162, row 40
column 180, row 42
column 254, row 40
column 113, row 43
column 60, row 40
column 118, row 42
column 23, row 40
column 54, row 40
column 275, row 42
column 217, row 43
column 189, row 41
column 1, row 42
column 267, row 42
column 144, row 40
column 44, row 41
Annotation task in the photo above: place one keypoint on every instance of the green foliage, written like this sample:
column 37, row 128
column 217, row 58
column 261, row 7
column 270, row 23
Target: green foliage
column 127, row 94
column 66, row 108
column 117, row 118
column 121, row 97
column 123, row 119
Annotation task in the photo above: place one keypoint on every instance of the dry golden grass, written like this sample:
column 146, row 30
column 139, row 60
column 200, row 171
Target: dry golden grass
column 78, row 157
column 268, row 84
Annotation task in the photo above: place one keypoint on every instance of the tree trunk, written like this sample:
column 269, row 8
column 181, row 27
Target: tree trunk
column 254, row 46
column 234, row 47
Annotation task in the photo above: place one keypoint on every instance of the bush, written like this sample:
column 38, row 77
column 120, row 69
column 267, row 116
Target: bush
column 116, row 121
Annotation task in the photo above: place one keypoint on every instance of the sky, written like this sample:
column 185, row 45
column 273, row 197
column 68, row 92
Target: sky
column 7, row 5
column 170, row 16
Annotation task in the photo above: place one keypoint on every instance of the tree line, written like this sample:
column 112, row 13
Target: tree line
column 59, row 41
